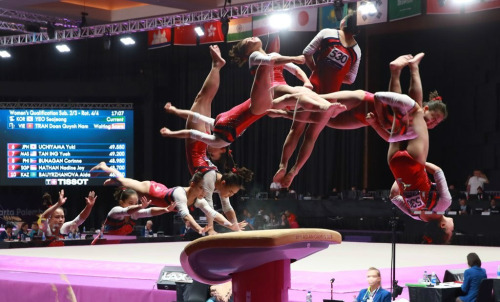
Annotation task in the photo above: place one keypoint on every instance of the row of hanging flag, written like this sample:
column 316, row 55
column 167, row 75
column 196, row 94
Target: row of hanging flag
column 309, row 19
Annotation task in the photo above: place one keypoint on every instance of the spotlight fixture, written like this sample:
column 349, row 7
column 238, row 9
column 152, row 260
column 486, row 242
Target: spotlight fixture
column 280, row 21
column 367, row 8
column 4, row 54
column 338, row 7
column 199, row 31
column 63, row 48
column 127, row 41
column 107, row 41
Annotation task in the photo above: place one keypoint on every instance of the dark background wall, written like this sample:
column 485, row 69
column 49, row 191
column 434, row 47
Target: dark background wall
column 462, row 62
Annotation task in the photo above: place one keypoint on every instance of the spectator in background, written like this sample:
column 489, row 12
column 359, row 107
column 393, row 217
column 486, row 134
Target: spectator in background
column 273, row 223
column 284, row 221
column 365, row 194
column 34, row 230
column 275, row 189
column 478, row 179
column 472, row 278
column 353, row 194
column 22, row 233
column 148, row 229
column 493, row 209
column 247, row 216
column 481, row 195
column 7, row 235
column 374, row 292
column 335, row 194
column 292, row 219
column 453, row 192
column 464, row 208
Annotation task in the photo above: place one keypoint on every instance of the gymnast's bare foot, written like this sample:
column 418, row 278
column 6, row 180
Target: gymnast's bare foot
column 165, row 132
column 99, row 170
column 413, row 63
column 211, row 232
column 111, row 182
column 217, row 60
column 278, row 177
column 288, row 179
column 400, row 62
column 337, row 108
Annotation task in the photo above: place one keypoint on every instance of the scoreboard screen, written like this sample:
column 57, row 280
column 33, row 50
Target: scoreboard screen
column 51, row 146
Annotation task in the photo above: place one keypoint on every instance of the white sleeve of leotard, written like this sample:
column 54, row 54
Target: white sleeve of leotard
column 350, row 77
column 291, row 68
column 209, row 180
column 208, row 139
column 399, row 202
column 202, row 204
column 200, row 117
column 258, row 58
column 118, row 213
column 226, row 204
column 142, row 213
column 313, row 46
column 67, row 225
column 444, row 201
column 180, row 198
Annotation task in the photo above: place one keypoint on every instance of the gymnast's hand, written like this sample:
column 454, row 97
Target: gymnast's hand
column 172, row 207
column 145, row 202
column 370, row 118
column 308, row 85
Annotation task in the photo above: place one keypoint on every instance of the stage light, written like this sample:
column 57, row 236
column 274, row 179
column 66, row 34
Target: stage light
column 199, row 31
column 280, row 21
column 63, row 48
column 367, row 8
column 338, row 7
column 5, row 54
column 127, row 41
column 106, row 41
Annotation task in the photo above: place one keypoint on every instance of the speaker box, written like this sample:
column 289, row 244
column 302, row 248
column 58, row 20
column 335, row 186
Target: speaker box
column 169, row 275
column 452, row 275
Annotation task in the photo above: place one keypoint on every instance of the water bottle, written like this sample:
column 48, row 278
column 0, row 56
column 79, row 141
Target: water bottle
column 433, row 279
column 43, row 236
column 424, row 277
column 70, row 236
column 84, row 229
column 309, row 296
column 498, row 272
column 77, row 236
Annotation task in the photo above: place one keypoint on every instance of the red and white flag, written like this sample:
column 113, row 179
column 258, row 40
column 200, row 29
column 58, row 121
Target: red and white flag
column 304, row 19
column 159, row 38
column 213, row 33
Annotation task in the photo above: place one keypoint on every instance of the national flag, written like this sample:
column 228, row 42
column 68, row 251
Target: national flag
column 185, row 35
column 33, row 146
column 33, row 153
column 29, row 125
column 378, row 17
column 14, row 146
column 404, row 9
column 213, row 32
column 261, row 26
column 159, row 38
column 32, row 167
column 327, row 17
column 304, row 19
column 239, row 29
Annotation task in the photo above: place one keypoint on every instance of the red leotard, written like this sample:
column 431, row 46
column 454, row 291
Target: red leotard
column 161, row 196
column 410, row 172
column 334, row 61
column 231, row 124
column 197, row 159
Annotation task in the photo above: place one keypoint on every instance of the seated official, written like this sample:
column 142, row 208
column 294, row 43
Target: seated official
column 148, row 229
column 472, row 279
column 8, row 234
column 374, row 292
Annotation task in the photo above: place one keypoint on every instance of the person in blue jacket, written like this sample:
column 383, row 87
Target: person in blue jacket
column 374, row 292
column 472, row 278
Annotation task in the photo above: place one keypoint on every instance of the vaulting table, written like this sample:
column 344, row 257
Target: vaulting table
column 257, row 262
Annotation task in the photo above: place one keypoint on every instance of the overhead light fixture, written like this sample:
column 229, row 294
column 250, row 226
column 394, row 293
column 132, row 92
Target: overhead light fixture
column 127, row 41
column 107, row 41
column 280, row 21
column 63, row 48
column 338, row 7
column 5, row 54
column 199, row 31
column 367, row 8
